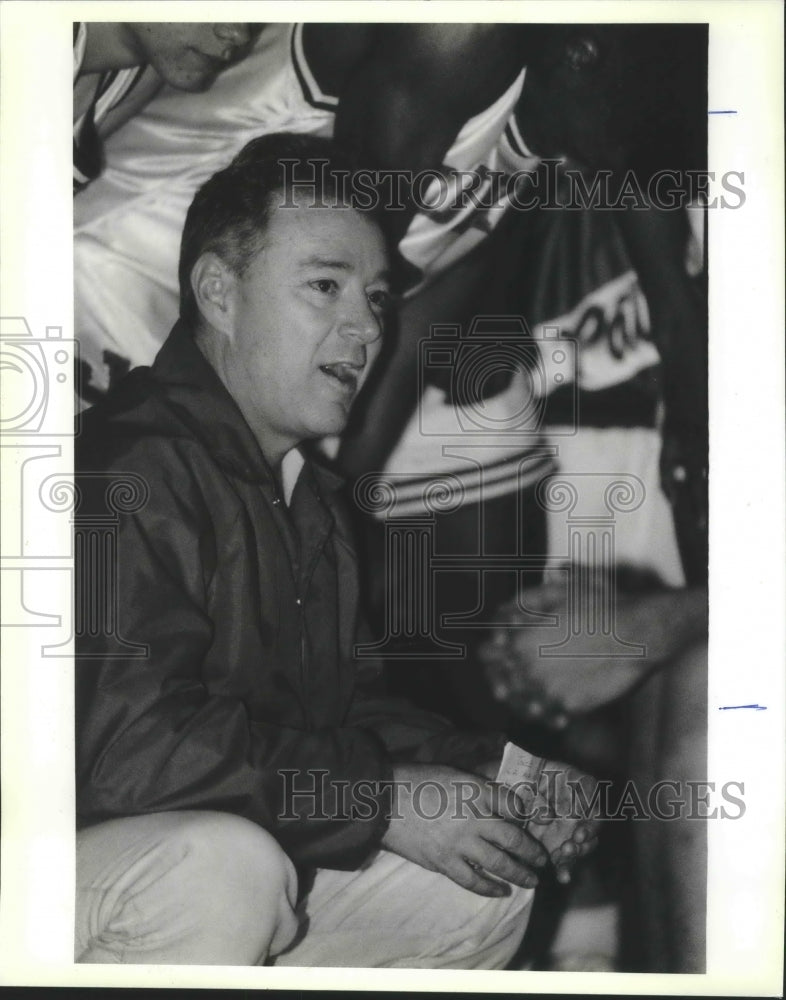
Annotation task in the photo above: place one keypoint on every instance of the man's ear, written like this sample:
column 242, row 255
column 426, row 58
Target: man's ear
column 213, row 285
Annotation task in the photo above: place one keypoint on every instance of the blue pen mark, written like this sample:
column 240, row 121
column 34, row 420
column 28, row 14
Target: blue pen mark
column 758, row 708
column 721, row 112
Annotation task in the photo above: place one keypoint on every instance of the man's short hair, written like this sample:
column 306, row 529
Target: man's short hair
column 231, row 211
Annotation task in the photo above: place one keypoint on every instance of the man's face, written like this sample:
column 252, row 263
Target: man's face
column 306, row 324
column 190, row 56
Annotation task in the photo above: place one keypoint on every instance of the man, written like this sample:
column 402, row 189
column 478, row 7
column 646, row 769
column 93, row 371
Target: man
column 119, row 65
column 244, row 739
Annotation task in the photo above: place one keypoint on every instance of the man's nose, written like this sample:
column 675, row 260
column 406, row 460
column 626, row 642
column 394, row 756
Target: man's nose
column 234, row 34
column 361, row 322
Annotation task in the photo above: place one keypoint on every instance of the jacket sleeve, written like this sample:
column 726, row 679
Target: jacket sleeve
column 409, row 734
column 153, row 735
column 414, row 735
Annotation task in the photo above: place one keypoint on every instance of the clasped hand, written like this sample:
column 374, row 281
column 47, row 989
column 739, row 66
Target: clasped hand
column 549, row 688
column 471, row 829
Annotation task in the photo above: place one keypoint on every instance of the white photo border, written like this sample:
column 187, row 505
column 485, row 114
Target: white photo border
column 746, row 856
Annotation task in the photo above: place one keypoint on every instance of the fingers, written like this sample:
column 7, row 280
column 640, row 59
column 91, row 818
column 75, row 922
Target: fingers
column 505, row 851
column 509, row 837
column 558, row 719
column 586, row 834
column 514, row 805
column 547, row 597
column 508, row 673
column 543, row 599
column 530, row 703
column 536, row 707
column 564, row 857
column 499, row 670
column 512, row 855
column 470, row 876
column 499, row 863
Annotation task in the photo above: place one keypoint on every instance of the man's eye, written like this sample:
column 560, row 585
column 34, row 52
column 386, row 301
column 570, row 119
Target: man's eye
column 325, row 285
column 380, row 298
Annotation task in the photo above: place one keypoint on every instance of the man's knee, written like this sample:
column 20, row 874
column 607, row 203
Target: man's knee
column 176, row 885
column 234, row 866
column 219, row 844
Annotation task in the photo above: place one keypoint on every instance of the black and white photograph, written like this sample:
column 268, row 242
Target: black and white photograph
column 393, row 497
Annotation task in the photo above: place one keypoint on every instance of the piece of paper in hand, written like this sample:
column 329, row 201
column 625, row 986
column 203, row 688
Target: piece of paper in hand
column 518, row 766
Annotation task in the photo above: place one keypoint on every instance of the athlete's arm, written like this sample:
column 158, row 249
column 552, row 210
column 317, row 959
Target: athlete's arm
column 148, row 86
column 413, row 87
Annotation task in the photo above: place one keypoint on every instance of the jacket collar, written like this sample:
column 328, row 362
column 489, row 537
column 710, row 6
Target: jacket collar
column 212, row 415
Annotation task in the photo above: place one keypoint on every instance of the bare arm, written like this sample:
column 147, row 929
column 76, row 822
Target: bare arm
column 414, row 88
column 410, row 92
column 664, row 623
column 148, row 86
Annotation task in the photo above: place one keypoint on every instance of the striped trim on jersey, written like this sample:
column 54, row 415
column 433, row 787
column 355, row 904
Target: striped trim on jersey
column 468, row 483
column 516, row 140
column 312, row 92
column 113, row 87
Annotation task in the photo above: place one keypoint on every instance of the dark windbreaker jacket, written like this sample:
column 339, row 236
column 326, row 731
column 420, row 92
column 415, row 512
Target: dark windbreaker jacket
column 216, row 627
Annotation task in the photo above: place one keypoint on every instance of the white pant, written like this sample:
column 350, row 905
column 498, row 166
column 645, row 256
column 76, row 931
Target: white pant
column 209, row 888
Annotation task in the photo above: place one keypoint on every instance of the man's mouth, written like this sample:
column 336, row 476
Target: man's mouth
column 344, row 373
column 216, row 61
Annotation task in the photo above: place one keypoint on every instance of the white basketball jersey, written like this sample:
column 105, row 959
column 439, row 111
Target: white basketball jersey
column 461, row 208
